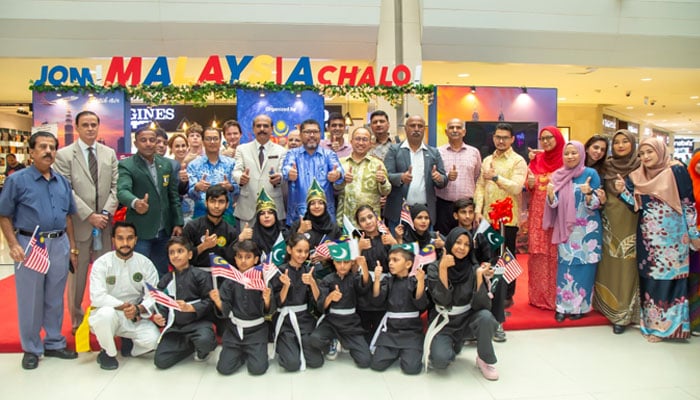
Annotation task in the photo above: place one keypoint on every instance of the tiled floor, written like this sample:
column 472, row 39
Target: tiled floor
column 575, row 363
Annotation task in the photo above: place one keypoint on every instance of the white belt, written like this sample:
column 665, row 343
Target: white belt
column 337, row 311
column 383, row 324
column 441, row 320
column 290, row 311
column 244, row 323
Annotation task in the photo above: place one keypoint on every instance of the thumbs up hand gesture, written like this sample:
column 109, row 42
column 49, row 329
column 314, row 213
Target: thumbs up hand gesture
column 202, row 185
column 304, row 225
column 308, row 278
column 334, row 175
column 246, row 233
column 437, row 178
column 245, row 177
column 407, row 176
column 284, row 278
column 380, row 176
column 226, row 184
column 452, row 175
column 182, row 174
column 141, row 205
column 586, row 187
column 208, row 240
column 348, row 175
column 293, row 173
column 335, row 295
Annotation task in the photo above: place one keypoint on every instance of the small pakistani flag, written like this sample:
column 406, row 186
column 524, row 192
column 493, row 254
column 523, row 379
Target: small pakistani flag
column 344, row 251
column 279, row 249
column 348, row 227
column 494, row 238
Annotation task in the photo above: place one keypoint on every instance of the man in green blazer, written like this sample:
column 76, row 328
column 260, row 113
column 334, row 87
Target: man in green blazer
column 148, row 188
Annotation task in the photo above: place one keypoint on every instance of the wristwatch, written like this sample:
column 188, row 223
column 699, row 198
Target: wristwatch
column 75, row 251
column 495, row 178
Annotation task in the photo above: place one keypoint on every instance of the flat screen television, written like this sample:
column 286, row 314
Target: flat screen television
column 480, row 135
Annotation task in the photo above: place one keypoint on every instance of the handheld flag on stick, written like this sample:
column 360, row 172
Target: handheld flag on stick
column 162, row 298
column 38, row 257
column 279, row 249
column 221, row 268
column 406, row 215
column 511, row 266
column 494, row 238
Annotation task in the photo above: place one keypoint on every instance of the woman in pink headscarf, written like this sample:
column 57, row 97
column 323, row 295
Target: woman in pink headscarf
column 573, row 214
column 662, row 193
column 542, row 263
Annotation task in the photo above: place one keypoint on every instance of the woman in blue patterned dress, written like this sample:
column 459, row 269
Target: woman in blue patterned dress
column 573, row 213
column 662, row 192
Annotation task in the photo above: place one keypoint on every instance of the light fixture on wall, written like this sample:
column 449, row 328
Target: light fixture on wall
column 473, row 89
column 348, row 118
column 214, row 124
column 262, row 94
column 298, row 94
column 524, row 89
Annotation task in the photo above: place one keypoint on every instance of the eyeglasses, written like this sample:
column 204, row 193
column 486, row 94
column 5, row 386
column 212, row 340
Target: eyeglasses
column 360, row 139
column 501, row 138
column 546, row 138
column 311, row 132
column 211, row 139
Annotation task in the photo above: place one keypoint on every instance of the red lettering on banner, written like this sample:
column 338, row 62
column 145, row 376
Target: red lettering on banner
column 406, row 75
column 116, row 70
column 382, row 77
column 212, row 71
column 345, row 74
column 367, row 77
column 322, row 74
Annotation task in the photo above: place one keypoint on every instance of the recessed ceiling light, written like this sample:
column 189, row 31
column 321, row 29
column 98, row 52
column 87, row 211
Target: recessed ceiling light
column 694, row 97
column 650, row 114
column 630, row 107
column 463, row 75
column 646, row 79
column 697, row 104
column 562, row 99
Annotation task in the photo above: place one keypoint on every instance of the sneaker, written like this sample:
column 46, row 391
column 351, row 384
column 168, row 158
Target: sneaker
column 500, row 335
column 201, row 356
column 333, row 350
column 487, row 370
column 107, row 362
column 127, row 346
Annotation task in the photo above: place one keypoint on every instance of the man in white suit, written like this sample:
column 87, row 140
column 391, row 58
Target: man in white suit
column 258, row 166
column 91, row 168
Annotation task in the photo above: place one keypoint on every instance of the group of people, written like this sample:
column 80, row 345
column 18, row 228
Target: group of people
column 614, row 233
column 218, row 202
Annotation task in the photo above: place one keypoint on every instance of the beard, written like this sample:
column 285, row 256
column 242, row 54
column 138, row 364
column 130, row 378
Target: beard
column 125, row 254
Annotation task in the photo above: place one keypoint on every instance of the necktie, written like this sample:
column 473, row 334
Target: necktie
column 261, row 156
column 92, row 163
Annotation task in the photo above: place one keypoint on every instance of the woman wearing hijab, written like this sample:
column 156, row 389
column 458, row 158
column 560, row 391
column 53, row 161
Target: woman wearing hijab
column 617, row 280
column 542, row 263
column 662, row 193
column 318, row 227
column 267, row 227
column 420, row 231
column 573, row 214
column 462, row 291
column 694, row 276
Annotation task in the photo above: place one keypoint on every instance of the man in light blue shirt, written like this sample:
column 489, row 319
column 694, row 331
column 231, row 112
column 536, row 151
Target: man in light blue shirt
column 304, row 164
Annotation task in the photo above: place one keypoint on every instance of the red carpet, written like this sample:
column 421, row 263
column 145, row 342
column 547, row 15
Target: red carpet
column 523, row 316
column 9, row 327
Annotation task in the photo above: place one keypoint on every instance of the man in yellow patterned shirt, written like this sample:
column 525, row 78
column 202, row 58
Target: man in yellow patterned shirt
column 365, row 178
column 503, row 175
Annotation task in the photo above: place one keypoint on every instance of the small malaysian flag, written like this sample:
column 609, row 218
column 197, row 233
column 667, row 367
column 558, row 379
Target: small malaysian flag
column 426, row 255
column 255, row 278
column 221, row 268
column 511, row 266
column 162, row 298
column 322, row 249
column 38, row 257
column 381, row 227
column 269, row 269
column 406, row 215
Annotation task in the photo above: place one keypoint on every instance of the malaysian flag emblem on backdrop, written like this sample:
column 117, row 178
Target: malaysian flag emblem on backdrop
column 38, row 257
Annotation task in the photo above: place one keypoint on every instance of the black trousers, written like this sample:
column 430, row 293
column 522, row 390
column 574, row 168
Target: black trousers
column 356, row 344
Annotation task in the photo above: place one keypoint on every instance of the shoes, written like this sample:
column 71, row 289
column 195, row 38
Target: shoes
column 574, row 317
column 127, row 346
column 618, row 329
column 201, row 356
column 333, row 350
column 30, row 361
column 559, row 317
column 500, row 335
column 107, row 362
column 61, row 353
column 508, row 303
column 487, row 370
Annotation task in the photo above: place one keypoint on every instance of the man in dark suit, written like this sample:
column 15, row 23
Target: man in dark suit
column 95, row 201
column 148, row 187
column 415, row 170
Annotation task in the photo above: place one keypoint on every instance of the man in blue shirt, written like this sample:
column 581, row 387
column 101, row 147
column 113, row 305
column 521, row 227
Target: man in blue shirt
column 39, row 197
column 304, row 164
column 211, row 169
